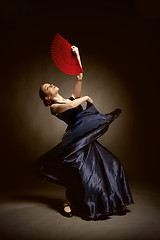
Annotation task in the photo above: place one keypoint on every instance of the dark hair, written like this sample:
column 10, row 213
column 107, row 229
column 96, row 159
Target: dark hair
column 42, row 96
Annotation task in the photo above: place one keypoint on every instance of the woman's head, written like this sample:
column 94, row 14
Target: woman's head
column 48, row 92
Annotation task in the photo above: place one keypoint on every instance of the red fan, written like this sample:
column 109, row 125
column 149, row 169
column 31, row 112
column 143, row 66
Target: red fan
column 63, row 57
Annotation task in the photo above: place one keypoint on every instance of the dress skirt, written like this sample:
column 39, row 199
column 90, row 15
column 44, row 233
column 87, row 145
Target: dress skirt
column 95, row 180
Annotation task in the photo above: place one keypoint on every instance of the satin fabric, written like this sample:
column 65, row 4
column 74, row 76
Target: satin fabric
column 95, row 180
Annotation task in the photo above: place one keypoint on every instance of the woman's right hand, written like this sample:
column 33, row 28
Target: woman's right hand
column 89, row 99
column 75, row 50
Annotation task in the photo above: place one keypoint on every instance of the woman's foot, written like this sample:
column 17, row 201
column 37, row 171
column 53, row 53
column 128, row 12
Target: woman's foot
column 113, row 115
column 67, row 209
column 116, row 112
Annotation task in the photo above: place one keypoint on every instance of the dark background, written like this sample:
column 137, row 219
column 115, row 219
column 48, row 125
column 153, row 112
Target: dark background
column 119, row 47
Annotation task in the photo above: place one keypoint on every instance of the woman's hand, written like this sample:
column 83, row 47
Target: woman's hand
column 75, row 50
column 89, row 100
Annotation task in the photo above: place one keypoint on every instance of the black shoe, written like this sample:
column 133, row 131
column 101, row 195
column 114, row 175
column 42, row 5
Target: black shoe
column 116, row 112
column 66, row 214
column 113, row 115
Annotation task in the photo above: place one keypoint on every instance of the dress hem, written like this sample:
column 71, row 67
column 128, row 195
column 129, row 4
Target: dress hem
column 105, row 215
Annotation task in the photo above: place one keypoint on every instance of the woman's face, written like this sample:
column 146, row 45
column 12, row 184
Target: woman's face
column 49, row 89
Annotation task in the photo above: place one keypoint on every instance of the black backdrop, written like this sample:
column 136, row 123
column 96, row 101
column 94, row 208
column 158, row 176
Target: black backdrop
column 119, row 47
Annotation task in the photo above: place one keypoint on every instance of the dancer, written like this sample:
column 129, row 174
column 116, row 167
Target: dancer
column 95, row 181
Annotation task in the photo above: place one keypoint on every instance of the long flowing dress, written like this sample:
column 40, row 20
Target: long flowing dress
column 95, row 181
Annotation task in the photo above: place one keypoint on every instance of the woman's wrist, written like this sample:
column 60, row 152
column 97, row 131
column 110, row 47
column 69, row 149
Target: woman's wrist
column 80, row 76
column 87, row 98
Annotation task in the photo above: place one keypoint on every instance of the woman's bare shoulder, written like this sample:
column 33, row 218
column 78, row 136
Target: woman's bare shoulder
column 60, row 107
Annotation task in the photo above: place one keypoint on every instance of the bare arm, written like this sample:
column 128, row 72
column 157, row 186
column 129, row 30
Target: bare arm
column 78, row 84
column 59, row 108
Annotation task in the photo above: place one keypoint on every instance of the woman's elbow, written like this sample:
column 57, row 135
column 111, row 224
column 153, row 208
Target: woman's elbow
column 71, row 105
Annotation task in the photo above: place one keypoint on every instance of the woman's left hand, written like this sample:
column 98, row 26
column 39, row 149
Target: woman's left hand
column 75, row 50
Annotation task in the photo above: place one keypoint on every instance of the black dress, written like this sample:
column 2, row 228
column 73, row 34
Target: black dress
column 94, row 178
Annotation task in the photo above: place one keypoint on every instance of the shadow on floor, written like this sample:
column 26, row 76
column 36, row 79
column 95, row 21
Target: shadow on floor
column 56, row 204
column 53, row 203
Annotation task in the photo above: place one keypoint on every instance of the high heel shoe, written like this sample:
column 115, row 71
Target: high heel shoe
column 116, row 112
column 113, row 115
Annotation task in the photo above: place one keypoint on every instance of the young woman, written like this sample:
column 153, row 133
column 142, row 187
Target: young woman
column 95, row 181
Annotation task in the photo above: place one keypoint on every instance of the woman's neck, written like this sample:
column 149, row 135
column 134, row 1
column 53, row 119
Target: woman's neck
column 59, row 98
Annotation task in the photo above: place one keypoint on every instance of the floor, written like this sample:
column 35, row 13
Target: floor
column 33, row 214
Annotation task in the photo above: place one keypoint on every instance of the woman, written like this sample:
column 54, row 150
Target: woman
column 94, row 178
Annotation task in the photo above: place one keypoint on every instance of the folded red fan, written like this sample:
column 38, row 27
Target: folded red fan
column 63, row 56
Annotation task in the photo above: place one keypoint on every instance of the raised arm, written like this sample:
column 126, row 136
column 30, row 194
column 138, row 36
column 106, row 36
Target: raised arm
column 78, row 84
